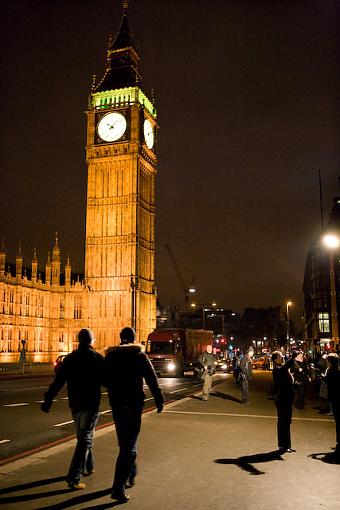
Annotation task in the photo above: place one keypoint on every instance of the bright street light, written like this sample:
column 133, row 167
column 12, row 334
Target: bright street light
column 331, row 241
column 205, row 308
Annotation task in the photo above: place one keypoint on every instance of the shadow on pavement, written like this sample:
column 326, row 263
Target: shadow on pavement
column 30, row 497
column 85, row 498
column 103, row 506
column 246, row 462
column 73, row 500
column 322, row 409
column 82, row 499
column 328, row 457
column 31, row 485
column 225, row 396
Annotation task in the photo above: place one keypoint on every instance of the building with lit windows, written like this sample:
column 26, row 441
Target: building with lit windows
column 46, row 309
column 321, row 290
column 43, row 309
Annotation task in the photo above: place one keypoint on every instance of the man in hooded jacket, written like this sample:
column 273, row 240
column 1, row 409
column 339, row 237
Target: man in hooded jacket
column 126, row 368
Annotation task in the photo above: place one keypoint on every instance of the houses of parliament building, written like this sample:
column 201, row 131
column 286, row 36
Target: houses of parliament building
column 44, row 309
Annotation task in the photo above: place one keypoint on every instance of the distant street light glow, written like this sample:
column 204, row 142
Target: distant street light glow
column 331, row 241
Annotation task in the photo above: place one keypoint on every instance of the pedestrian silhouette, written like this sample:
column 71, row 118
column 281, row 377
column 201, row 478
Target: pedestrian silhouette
column 83, row 371
column 126, row 366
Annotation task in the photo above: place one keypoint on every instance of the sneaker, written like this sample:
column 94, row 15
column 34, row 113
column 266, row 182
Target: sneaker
column 76, row 485
column 121, row 497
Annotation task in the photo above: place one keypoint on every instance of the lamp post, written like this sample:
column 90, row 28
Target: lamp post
column 204, row 309
column 332, row 242
column 288, row 304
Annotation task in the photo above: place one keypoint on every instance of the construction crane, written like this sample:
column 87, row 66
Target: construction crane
column 187, row 290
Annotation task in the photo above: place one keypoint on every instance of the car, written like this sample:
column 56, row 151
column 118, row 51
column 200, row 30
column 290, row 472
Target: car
column 57, row 363
column 222, row 365
column 257, row 362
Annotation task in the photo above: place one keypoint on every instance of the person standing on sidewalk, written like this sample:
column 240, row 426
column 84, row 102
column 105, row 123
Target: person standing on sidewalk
column 82, row 370
column 207, row 360
column 333, row 387
column 284, row 395
column 246, row 375
column 126, row 365
column 302, row 380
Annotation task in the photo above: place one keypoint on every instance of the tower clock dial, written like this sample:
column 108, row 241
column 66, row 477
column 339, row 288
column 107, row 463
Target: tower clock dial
column 111, row 127
column 149, row 135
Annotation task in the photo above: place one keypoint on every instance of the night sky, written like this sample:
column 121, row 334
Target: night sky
column 247, row 94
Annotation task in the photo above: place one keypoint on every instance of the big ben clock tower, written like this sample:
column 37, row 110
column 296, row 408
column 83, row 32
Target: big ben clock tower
column 120, row 213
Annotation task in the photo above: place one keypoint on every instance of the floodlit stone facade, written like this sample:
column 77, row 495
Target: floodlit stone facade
column 47, row 309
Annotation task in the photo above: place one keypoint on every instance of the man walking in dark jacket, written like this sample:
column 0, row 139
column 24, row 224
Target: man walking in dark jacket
column 126, row 367
column 82, row 370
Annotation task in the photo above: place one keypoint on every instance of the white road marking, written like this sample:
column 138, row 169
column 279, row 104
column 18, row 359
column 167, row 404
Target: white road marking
column 64, row 423
column 104, row 393
column 105, row 412
column 17, row 405
column 183, row 389
column 246, row 415
column 4, row 441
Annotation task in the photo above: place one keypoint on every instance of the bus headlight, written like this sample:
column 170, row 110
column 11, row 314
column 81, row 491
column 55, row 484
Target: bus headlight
column 171, row 367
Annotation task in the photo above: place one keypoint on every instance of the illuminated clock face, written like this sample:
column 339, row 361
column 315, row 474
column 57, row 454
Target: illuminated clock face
column 111, row 127
column 149, row 134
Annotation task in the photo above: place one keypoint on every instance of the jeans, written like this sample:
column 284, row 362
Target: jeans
column 207, row 386
column 128, row 422
column 84, row 422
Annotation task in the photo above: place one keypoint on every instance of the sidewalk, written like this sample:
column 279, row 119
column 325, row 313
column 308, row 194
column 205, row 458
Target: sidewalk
column 177, row 453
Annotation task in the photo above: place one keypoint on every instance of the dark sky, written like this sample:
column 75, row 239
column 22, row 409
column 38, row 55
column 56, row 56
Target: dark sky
column 248, row 100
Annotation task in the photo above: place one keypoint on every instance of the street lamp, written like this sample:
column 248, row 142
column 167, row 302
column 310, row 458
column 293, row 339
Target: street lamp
column 288, row 304
column 204, row 309
column 332, row 242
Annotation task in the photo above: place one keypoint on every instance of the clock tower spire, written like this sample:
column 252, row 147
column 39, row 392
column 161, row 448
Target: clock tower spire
column 122, row 165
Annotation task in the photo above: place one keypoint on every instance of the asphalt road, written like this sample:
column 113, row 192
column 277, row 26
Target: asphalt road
column 23, row 426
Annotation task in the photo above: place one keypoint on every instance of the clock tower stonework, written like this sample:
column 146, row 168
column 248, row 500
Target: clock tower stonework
column 120, row 211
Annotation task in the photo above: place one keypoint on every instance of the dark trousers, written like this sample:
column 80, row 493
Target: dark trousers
column 244, row 390
column 128, row 424
column 284, row 419
column 336, row 413
column 300, row 395
column 84, row 422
